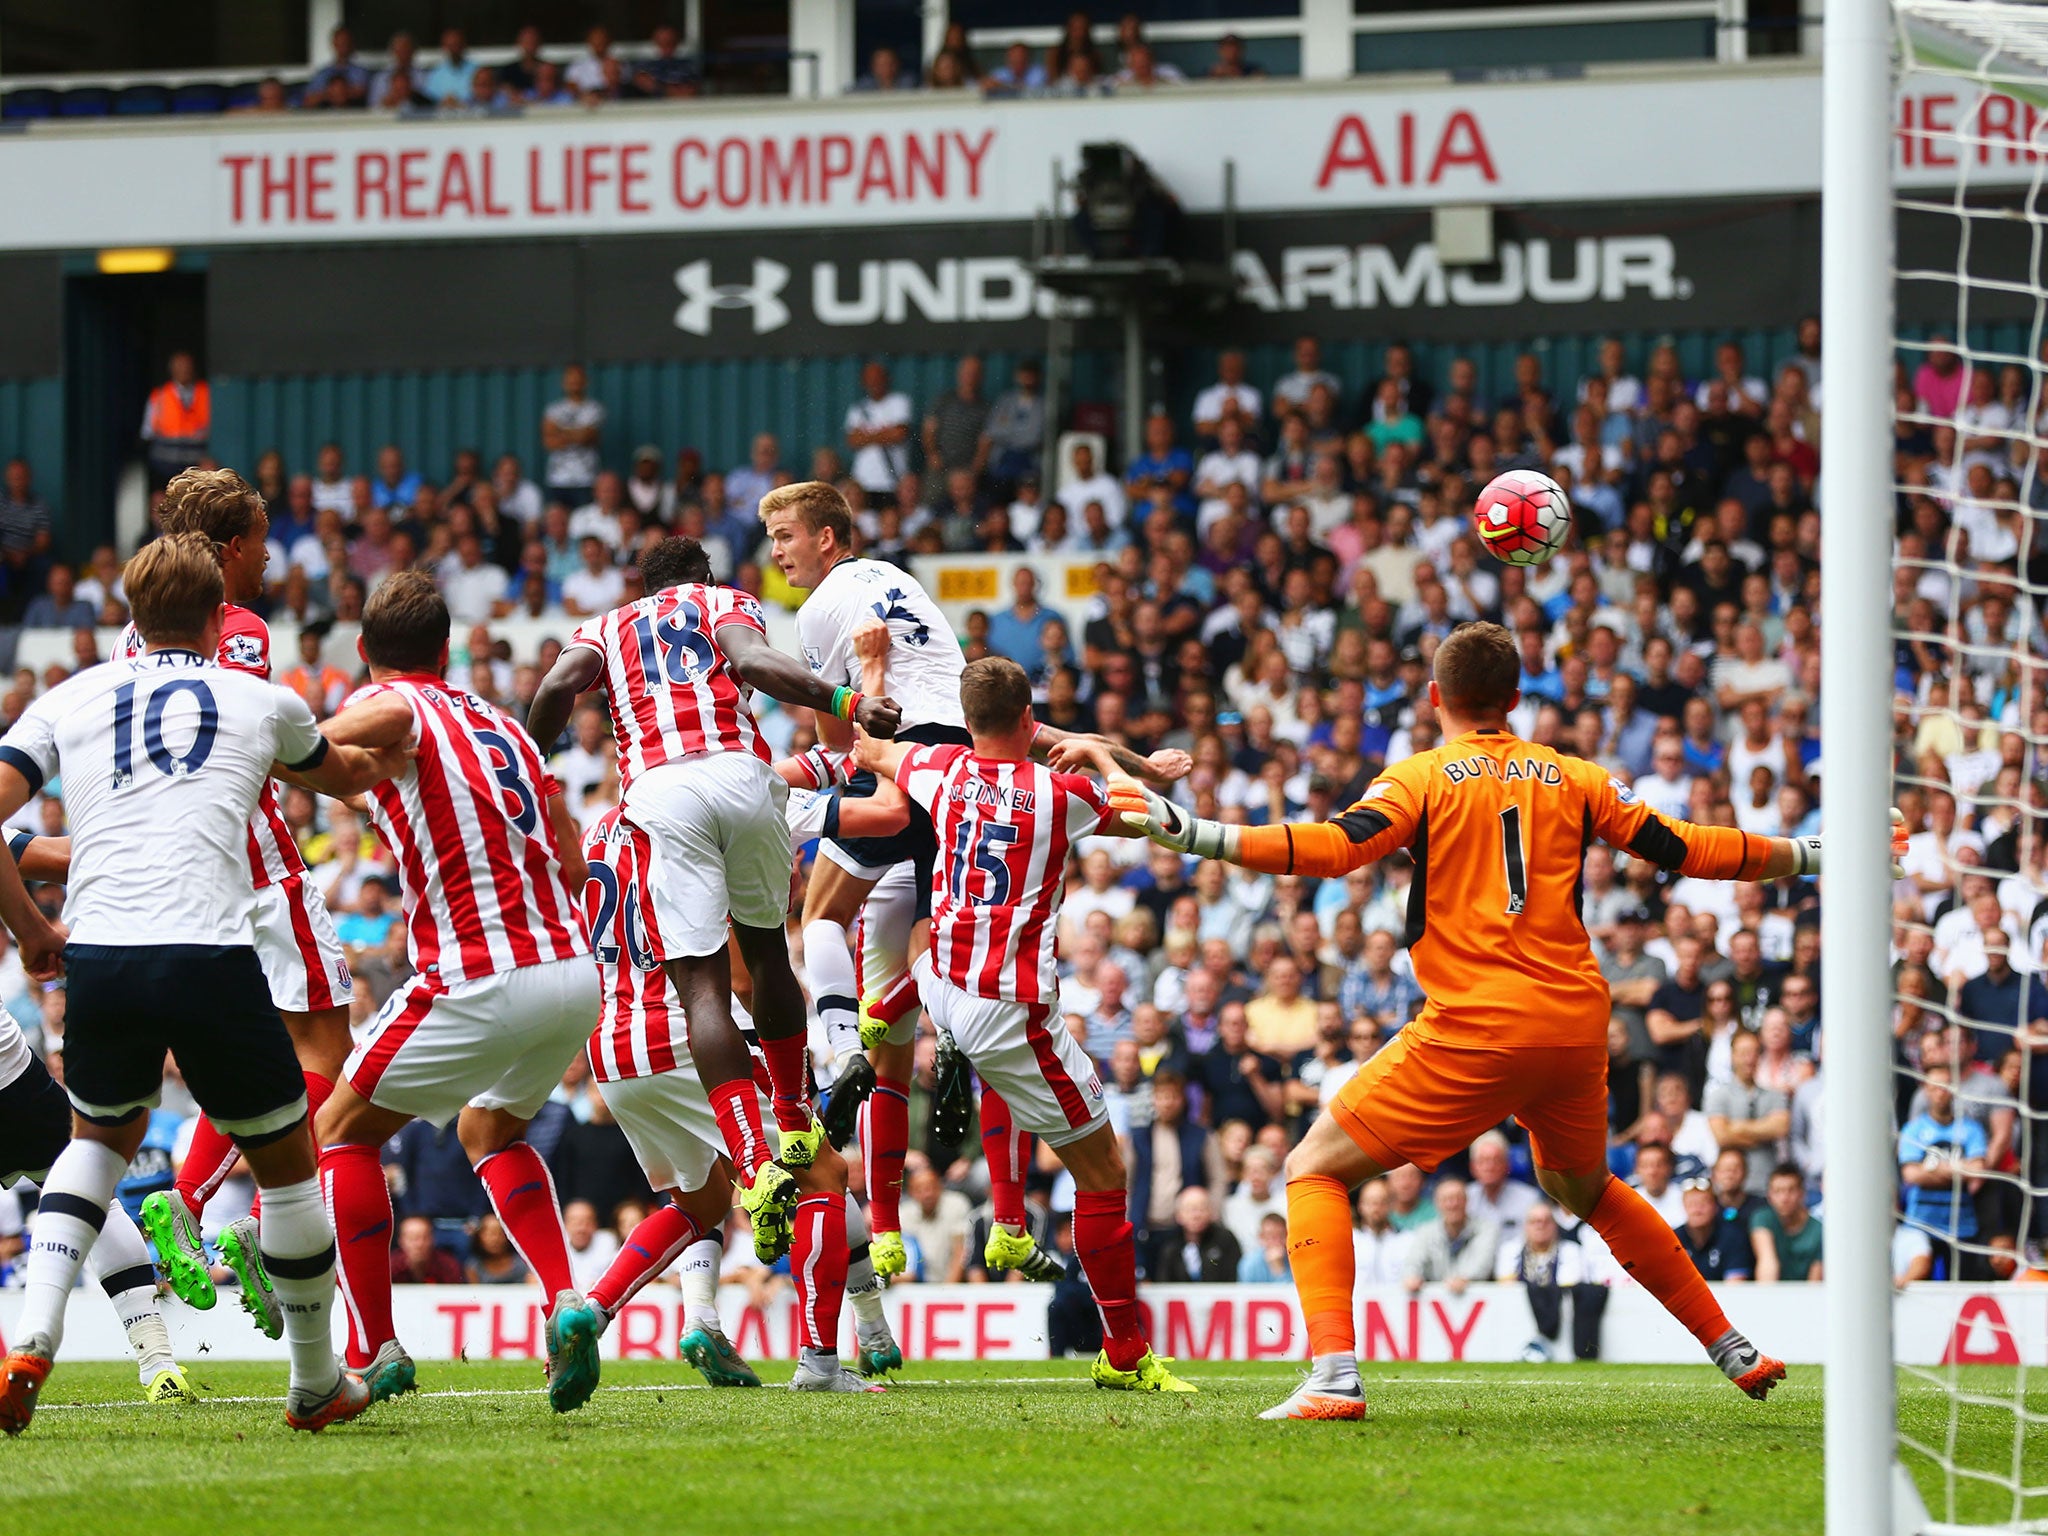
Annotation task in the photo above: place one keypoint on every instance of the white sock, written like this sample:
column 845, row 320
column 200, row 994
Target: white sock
column 1339, row 1372
column 829, row 960
column 68, row 1222
column 700, row 1283
column 863, row 1285
column 298, row 1250
column 120, row 1264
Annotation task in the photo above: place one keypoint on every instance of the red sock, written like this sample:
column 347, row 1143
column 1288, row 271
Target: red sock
column 208, row 1161
column 897, row 999
column 817, row 1263
column 1008, row 1151
column 1649, row 1250
column 884, row 1138
column 523, row 1194
column 359, row 1206
column 1103, row 1243
column 789, row 1079
column 649, row 1250
column 737, row 1107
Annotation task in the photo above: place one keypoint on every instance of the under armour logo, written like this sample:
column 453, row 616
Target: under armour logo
column 701, row 296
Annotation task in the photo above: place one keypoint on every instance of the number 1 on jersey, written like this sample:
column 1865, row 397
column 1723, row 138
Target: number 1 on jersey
column 1511, row 855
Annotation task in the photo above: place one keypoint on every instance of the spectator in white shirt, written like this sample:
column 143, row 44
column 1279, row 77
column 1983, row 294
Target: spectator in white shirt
column 517, row 496
column 1229, row 463
column 1624, row 389
column 598, row 586
column 1260, row 1194
column 878, row 432
column 1655, row 1165
column 1667, row 787
column 586, row 74
column 569, row 430
column 1745, row 393
column 745, row 486
column 477, row 590
column 599, row 517
column 1228, row 393
column 1380, row 1248
column 1493, row 1195
column 331, row 486
column 1090, row 483
column 1291, row 392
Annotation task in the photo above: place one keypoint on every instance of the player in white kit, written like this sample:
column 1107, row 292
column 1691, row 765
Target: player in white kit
column 810, row 531
column 303, row 961
column 678, row 668
column 162, row 759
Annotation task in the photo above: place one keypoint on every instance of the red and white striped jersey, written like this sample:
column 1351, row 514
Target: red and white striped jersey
column 467, row 823
column 641, row 1031
column 245, row 647
column 1004, row 828
column 671, row 691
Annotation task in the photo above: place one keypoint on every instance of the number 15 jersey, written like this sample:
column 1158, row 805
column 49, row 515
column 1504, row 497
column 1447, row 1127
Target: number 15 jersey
column 671, row 690
column 162, row 758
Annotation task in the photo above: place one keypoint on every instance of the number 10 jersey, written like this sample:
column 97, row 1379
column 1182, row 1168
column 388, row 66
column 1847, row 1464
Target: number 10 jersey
column 162, row 758
column 671, row 691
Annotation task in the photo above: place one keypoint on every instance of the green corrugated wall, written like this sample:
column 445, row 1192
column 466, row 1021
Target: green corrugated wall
column 717, row 406
column 32, row 427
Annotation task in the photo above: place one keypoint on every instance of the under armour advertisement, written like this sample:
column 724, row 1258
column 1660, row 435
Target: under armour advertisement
column 1669, row 266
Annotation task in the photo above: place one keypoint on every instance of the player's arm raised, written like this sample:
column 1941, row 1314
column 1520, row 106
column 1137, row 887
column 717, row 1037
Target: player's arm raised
column 1383, row 820
column 574, row 674
column 348, row 755
column 1064, row 751
column 885, row 811
column 1707, row 853
column 1092, row 754
column 788, row 680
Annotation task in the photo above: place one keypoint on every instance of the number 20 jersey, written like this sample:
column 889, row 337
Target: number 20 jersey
column 162, row 758
column 671, row 690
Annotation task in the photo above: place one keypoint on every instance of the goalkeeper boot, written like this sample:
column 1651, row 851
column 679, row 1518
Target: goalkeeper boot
column 1747, row 1366
column 1149, row 1375
column 850, row 1090
column 711, row 1352
column 770, row 1204
column 22, row 1375
column 168, row 1223
column 239, row 1250
column 1312, row 1401
column 169, row 1386
column 1020, row 1251
column 573, row 1328
column 887, row 1254
column 952, row 1093
column 390, row 1372
column 304, row 1410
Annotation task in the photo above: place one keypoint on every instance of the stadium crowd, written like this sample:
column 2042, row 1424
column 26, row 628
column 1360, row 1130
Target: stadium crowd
column 455, row 79
column 1273, row 574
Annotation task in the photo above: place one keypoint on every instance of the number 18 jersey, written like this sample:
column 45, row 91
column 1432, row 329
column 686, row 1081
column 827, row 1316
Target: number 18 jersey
column 671, row 690
column 162, row 758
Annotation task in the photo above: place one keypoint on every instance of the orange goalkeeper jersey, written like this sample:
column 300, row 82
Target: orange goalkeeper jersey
column 1499, row 828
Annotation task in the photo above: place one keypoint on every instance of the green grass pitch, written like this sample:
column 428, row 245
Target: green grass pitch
column 957, row 1448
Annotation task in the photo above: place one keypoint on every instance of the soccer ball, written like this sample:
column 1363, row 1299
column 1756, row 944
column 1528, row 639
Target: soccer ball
column 1523, row 517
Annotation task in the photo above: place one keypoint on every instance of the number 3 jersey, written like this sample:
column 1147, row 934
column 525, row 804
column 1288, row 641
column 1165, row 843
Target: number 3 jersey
column 467, row 823
column 163, row 757
column 1003, row 829
column 671, row 691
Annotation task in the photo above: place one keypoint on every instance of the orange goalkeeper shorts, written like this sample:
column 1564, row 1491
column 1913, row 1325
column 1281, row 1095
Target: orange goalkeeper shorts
column 1418, row 1101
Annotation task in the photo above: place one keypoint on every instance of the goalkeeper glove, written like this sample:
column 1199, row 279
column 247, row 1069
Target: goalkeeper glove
column 1806, row 850
column 1167, row 824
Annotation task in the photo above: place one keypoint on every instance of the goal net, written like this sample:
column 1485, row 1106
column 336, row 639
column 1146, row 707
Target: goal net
column 1970, row 656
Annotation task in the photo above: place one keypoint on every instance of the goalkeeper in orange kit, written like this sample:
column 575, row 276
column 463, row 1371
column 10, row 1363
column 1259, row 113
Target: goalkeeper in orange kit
column 1516, row 1021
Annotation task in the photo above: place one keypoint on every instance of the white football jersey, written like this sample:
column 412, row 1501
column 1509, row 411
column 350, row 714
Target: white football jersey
column 924, row 655
column 162, row 758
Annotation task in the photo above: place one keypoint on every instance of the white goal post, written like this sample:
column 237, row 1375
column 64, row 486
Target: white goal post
column 1950, row 98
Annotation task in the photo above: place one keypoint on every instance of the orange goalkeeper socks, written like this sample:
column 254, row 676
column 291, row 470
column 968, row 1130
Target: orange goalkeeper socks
column 1649, row 1250
column 1320, row 1255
